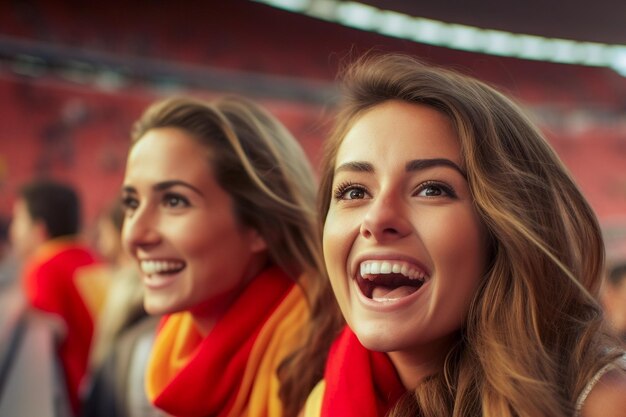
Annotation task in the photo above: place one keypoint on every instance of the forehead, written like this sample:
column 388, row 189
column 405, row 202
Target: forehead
column 168, row 152
column 167, row 143
column 401, row 131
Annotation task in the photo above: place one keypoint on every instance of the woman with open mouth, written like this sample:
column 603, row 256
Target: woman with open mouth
column 464, row 259
column 220, row 220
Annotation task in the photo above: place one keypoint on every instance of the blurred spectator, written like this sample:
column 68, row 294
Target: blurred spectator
column 8, row 261
column 44, row 234
column 117, row 387
column 614, row 299
column 123, row 303
column 123, row 333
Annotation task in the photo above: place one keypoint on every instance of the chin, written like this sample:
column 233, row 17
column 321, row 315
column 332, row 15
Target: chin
column 376, row 339
column 156, row 308
column 153, row 310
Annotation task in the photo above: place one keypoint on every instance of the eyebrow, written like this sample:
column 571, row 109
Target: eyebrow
column 165, row 185
column 410, row 166
column 355, row 166
column 420, row 164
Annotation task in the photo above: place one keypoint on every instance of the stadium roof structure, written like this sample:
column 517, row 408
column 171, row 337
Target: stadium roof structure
column 564, row 31
column 579, row 20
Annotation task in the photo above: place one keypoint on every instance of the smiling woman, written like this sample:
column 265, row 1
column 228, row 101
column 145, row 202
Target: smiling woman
column 410, row 201
column 220, row 220
column 170, row 194
column 462, row 255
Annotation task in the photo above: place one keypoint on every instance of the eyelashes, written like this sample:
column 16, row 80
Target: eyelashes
column 431, row 189
column 168, row 200
column 354, row 190
column 129, row 202
column 175, row 200
column 434, row 189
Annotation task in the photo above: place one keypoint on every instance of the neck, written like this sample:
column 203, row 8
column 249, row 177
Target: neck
column 207, row 314
column 418, row 363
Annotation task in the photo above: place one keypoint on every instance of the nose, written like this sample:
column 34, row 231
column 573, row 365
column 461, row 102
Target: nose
column 386, row 219
column 140, row 230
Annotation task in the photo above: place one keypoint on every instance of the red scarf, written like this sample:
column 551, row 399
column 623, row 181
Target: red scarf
column 359, row 382
column 189, row 375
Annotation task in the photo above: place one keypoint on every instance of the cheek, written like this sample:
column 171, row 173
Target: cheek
column 460, row 251
column 200, row 246
column 125, row 239
column 336, row 247
column 457, row 235
column 210, row 246
column 196, row 234
column 338, row 238
column 329, row 250
column 335, row 262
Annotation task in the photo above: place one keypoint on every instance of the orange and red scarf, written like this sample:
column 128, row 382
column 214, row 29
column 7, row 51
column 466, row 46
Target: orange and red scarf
column 232, row 371
column 357, row 382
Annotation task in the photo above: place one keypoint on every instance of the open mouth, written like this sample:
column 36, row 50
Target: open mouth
column 149, row 267
column 389, row 280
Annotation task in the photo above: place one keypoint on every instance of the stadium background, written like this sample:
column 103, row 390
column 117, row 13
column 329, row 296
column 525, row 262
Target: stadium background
column 74, row 76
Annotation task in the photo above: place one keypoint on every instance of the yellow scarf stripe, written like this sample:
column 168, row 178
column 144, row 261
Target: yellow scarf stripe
column 278, row 338
column 180, row 328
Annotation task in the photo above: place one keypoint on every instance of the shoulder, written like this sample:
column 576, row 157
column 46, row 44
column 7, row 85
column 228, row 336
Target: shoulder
column 608, row 396
column 79, row 253
column 64, row 257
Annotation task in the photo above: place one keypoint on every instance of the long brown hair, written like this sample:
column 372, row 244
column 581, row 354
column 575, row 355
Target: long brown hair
column 532, row 337
column 263, row 168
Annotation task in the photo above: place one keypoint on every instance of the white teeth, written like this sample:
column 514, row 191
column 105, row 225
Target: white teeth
column 369, row 268
column 158, row 267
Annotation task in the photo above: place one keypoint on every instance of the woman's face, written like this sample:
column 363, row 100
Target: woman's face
column 404, row 247
column 181, row 229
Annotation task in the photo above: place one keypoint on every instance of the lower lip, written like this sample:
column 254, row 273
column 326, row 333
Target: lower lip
column 388, row 305
column 156, row 281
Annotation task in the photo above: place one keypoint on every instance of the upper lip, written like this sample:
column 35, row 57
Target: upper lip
column 355, row 266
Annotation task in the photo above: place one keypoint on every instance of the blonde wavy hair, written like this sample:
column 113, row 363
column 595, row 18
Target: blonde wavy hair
column 267, row 174
column 532, row 338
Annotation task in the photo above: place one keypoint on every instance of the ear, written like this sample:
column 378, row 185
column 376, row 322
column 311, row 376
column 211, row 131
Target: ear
column 257, row 242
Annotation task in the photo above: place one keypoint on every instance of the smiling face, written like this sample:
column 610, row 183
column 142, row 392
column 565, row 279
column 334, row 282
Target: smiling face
column 404, row 246
column 181, row 229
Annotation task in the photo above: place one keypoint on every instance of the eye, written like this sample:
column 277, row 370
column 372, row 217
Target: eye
column 350, row 191
column 174, row 200
column 433, row 189
column 129, row 203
